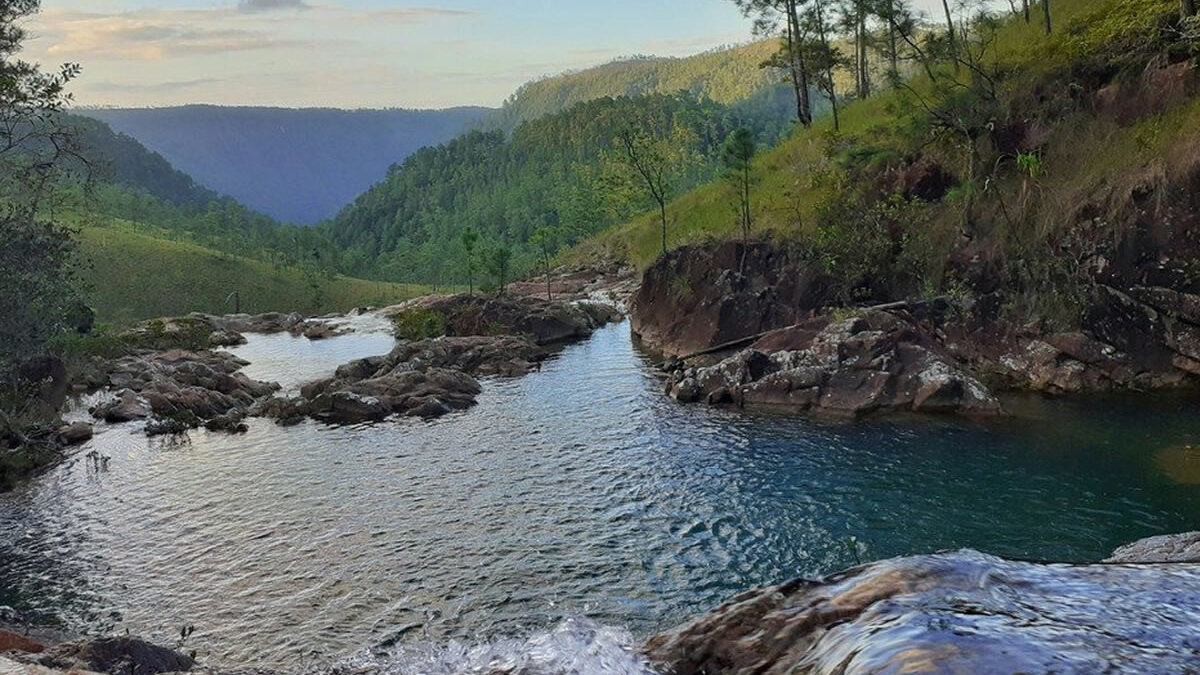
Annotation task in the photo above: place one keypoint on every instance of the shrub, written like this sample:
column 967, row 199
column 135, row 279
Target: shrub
column 418, row 324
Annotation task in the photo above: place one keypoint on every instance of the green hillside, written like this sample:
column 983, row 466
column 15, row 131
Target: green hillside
column 136, row 272
column 1074, row 136
column 728, row 76
column 555, row 173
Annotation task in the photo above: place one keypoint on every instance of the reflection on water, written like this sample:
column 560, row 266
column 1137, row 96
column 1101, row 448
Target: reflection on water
column 1180, row 463
column 576, row 491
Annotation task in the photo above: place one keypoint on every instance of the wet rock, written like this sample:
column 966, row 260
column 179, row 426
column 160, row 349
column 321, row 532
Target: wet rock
column 15, row 642
column 876, row 361
column 185, row 387
column 544, row 322
column 117, row 656
column 1174, row 548
column 347, row 407
column 75, row 434
column 231, row 423
column 962, row 612
column 270, row 322
column 192, row 332
column 127, row 406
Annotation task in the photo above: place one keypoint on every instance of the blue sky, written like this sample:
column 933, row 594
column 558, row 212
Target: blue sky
column 356, row 53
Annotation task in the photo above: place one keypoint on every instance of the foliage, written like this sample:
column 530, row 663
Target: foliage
column 418, row 324
column 554, row 172
column 728, row 76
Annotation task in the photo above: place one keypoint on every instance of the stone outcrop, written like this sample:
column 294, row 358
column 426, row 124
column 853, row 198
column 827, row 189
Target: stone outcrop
column 188, row 388
column 1172, row 548
column 961, row 612
column 1140, row 330
column 875, row 361
column 610, row 283
column 544, row 322
column 696, row 297
column 111, row 655
column 424, row 378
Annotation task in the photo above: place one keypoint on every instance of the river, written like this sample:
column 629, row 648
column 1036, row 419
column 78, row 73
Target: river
column 576, row 498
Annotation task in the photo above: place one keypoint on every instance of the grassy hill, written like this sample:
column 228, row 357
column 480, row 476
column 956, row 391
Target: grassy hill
column 728, row 76
column 1091, row 133
column 136, row 272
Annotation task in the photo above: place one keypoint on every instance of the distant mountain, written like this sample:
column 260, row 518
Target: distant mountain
column 297, row 165
column 728, row 76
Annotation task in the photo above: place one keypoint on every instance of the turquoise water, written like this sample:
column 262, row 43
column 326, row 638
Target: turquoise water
column 577, row 491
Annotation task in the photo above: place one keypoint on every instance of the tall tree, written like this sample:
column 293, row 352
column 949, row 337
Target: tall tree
column 1046, row 13
column 656, row 155
column 498, row 264
column 737, row 156
column 543, row 238
column 468, row 238
column 825, row 58
column 768, row 16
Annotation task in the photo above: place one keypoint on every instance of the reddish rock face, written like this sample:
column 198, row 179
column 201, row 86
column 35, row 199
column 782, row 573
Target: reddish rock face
column 12, row 642
column 699, row 297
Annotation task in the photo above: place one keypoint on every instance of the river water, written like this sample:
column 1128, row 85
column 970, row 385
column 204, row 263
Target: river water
column 575, row 505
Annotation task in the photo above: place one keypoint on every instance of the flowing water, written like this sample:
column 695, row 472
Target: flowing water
column 573, row 511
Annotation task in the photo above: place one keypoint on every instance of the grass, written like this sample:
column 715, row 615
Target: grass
column 133, row 274
column 790, row 187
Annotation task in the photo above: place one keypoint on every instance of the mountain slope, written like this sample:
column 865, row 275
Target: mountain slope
column 552, row 173
column 298, row 166
column 727, row 76
column 1081, row 174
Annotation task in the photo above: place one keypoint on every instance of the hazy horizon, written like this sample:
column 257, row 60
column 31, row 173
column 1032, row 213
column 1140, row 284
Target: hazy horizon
column 355, row 54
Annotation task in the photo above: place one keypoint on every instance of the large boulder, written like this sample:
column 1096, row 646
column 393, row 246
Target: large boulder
column 544, row 322
column 698, row 297
column 875, row 361
column 962, row 612
column 187, row 388
column 116, row 656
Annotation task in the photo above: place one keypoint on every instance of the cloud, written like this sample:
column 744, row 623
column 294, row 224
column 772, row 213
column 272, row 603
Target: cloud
column 151, row 88
column 268, row 5
column 149, row 35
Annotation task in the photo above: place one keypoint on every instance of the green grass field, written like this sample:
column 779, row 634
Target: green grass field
column 133, row 275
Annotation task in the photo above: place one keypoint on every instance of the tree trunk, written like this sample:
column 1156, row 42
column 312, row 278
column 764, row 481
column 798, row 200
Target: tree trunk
column 796, row 66
column 865, row 61
column 1025, row 9
column 662, row 212
column 949, row 25
column 1046, row 12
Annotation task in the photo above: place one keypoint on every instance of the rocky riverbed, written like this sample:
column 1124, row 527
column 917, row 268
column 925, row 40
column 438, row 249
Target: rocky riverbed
column 759, row 324
column 176, row 377
column 954, row 612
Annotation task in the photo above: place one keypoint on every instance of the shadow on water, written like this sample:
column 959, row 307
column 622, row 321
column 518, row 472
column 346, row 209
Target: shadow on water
column 579, row 490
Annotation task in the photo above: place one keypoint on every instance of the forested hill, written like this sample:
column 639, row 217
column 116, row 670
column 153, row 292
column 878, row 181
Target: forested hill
column 297, row 165
column 728, row 76
column 560, row 174
column 120, row 159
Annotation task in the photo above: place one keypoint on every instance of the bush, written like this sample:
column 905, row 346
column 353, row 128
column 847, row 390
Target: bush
column 418, row 324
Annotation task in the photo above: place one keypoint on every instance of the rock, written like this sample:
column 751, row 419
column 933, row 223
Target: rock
column 268, row 323
column 74, row 434
column 186, row 387
column 127, row 406
column 544, row 322
column 876, row 361
column 117, row 656
column 961, row 612
column 231, row 422
column 14, row 642
column 694, row 298
column 347, row 407
column 192, row 332
column 1173, row 548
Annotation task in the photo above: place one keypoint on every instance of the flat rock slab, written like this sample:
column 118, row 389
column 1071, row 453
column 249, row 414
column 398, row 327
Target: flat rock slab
column 962, row 612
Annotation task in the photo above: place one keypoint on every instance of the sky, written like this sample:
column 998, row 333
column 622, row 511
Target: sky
column 355, row 53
